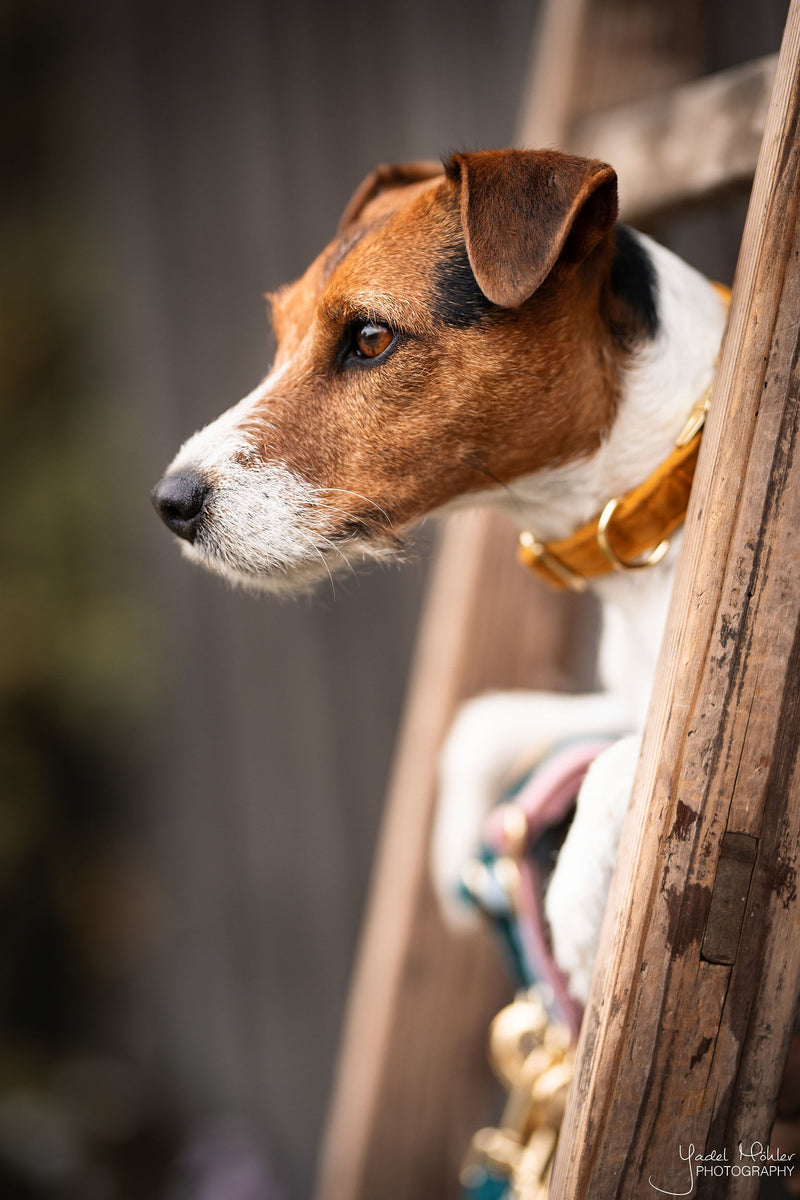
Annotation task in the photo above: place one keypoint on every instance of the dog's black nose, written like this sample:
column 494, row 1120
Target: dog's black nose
column 179, row 501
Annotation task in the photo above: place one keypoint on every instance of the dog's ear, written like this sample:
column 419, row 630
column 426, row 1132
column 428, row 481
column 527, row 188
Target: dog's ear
column 384, row 177
column 522, row 210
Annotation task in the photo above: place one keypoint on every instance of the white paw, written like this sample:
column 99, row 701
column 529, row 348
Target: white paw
column 578, row 890
column 473, row 772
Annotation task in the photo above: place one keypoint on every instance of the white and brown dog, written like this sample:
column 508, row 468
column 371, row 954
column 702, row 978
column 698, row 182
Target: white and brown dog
column 484, row 333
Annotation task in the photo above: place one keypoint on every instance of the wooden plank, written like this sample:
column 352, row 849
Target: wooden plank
column 549, row 94
column 683, row 145
column 678, row 1050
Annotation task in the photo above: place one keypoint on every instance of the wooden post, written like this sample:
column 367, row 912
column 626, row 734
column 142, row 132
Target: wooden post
column 692, row 1004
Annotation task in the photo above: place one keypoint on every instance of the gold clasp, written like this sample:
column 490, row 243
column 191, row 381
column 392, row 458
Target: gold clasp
column 532, row 548
column 532, row 1174
column 534, row 1057
column 618, row 563
column 696, row 419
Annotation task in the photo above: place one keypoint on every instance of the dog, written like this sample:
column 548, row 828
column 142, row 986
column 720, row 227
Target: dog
column 485, row 332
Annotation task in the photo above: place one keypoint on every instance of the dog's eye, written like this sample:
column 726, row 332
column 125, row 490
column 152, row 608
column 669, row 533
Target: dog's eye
column 371, row 339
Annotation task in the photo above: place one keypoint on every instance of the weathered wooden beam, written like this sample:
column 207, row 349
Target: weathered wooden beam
column 548, row 96
column 683, row 145
column 693, row 1001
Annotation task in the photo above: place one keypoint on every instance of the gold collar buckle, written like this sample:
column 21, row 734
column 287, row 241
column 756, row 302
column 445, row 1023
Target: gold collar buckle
column 695, row 421
column 532, row 551
column 619, row 564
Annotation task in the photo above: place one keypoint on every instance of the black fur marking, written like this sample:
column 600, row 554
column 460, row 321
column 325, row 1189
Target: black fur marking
column 633, row 280
column 457, row 299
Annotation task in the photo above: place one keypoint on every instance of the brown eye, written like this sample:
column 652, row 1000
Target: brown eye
column 372, row 339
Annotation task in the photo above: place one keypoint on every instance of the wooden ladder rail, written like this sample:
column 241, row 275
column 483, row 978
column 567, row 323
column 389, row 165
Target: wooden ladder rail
column 694, row 998
column 398, row 1122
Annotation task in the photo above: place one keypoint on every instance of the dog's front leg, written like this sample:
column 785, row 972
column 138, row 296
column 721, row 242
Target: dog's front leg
column 491, row 737
column 576, row 897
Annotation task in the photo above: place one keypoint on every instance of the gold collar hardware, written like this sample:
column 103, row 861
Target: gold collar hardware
column 534, row 1058
column 530, row 550
column 697, row 417
column 643, row 521
column 654, row 557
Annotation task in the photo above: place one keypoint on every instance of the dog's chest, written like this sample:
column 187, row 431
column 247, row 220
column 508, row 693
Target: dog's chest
column 634, row 611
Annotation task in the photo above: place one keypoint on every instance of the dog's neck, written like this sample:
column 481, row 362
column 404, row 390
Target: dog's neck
column 661, row 382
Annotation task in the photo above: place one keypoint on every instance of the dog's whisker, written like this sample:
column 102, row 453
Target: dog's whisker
column 366, row 499
column 334, row 510
column 322, row 559
column 341, row 554
column 501, row 483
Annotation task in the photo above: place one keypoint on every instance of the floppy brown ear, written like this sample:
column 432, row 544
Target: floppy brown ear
column 523, row 209
column 384, row 177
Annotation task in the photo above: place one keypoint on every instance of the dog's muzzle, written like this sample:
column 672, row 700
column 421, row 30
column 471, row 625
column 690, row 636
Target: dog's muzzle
column 179, row 500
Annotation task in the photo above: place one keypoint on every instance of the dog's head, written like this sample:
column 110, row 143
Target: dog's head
column 458, row 332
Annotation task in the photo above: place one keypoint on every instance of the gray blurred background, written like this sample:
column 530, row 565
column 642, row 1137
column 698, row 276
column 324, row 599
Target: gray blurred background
column 192, row 779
